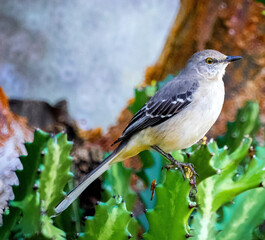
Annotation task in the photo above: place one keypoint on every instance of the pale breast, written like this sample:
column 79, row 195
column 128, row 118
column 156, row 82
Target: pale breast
column 190, row 125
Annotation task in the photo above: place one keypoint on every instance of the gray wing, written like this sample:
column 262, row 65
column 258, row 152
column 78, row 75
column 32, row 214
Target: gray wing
column 166, row 103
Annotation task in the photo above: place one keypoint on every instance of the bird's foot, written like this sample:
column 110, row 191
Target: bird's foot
column 188, row 167
column 187, row 171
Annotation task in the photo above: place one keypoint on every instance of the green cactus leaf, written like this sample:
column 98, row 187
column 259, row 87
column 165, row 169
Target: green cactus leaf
column 31, row 163
column 133, row 228
column 199, row 157
column 30, row 207
column 247, row 122
column 56, row 172
column 49, row 231
column 169, row 218
column 117, row 182
column 219, row 189
column 9, row 219
column 27, row 178
column 110, row 221
column 243, row 212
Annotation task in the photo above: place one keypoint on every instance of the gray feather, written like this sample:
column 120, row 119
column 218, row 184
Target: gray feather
column 173, row 98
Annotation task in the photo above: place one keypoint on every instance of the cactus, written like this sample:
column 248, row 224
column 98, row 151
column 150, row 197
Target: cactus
column 219, row 189
column 169, row 218
column 242, row 212
column 229, row 194
column 117, row 182
column 110, row 221
column 202, row 156
column 27, row 178
column 247, row 122
column 36, row 197
column 56, row 172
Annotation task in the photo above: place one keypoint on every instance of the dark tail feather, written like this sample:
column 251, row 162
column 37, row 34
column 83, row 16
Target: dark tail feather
column 87, row 180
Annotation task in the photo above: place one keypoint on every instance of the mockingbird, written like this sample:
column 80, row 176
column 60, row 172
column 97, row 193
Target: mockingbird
column 176, row 117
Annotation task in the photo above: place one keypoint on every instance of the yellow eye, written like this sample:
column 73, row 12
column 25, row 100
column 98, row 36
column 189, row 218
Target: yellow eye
column 209, row 60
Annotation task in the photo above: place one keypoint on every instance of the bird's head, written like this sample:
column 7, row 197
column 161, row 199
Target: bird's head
column 210, row 64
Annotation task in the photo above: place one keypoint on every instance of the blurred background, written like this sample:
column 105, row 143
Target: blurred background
column 85, row 67
column 90, row 53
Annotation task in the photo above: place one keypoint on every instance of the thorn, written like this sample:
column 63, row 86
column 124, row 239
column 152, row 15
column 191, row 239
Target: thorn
column 145, row 210
column 42, row 154
column 188, row 235
column 35, row 187
column 197, row 205
column 123, row 201
column 251, row 152
column 113, row 196
column 188, row 155
column 97, row 202
column 261, row 184
column 131, row 215
column 129, row 236
column 191, row 206
column 38, row 171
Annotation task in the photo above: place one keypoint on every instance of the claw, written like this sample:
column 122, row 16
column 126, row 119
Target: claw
column 190, row 172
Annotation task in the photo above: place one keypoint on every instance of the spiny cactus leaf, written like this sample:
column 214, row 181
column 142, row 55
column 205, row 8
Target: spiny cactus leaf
column 201, row 158
column 117, row 182
column 110, row 221
column 31, row 163
column 72, row 225
column 217, row 190
column 49, row 231
column 247, row 122
column 9, row 220
column 169, row 218
column 27, row 178
column 248, row 209
column 56, row 172
column 133, row 227
column 30, row 207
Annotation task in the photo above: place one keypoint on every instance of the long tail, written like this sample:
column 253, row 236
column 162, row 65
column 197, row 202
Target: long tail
column 87, row 180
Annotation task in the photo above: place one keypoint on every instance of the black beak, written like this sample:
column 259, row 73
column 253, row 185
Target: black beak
column 232, row 58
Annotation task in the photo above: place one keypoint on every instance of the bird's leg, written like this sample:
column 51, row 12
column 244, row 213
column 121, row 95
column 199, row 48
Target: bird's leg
column 180, row 165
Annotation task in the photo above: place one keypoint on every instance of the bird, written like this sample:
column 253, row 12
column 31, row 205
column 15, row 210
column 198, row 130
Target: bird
column 176, row 117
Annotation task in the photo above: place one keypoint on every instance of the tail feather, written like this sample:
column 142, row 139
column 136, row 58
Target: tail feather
column 87, row 180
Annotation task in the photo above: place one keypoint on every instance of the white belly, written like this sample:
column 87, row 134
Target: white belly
column 190, row 125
